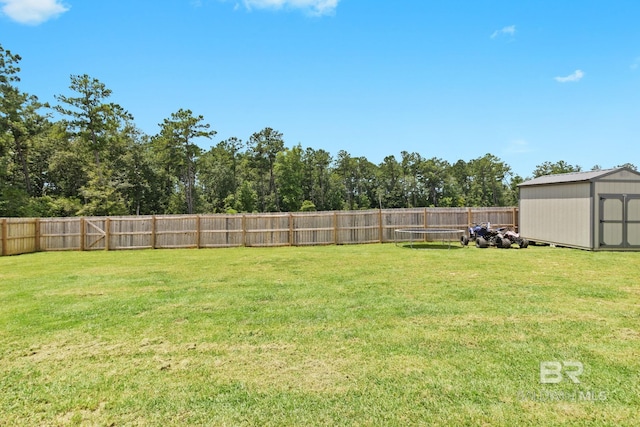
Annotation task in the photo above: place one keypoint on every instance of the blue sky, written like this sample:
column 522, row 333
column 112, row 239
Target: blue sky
column 527, row 81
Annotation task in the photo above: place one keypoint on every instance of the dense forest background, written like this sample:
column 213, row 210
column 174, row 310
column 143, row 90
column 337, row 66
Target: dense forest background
column 92, row 160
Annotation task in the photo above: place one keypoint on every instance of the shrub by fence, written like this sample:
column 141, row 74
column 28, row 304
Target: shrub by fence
column 25, row 235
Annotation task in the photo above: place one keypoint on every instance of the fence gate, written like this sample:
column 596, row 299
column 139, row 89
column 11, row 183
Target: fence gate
column 94, row 234
column 620, row 220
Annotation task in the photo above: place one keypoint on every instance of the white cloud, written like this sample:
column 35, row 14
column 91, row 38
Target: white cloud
column 509, row 31
column 314, row 7
column 32, row 12
column 635, row 64
column 575, row 77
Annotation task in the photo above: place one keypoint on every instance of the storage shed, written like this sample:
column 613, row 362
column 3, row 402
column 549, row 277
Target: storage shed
column 596, row 210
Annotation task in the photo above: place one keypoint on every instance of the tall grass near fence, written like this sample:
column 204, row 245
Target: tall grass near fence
column 26, row 235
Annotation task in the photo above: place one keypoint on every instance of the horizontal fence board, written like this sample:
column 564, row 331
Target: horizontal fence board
column 25, row 235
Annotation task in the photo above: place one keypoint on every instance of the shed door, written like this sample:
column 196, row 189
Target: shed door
column 620, row 220
column 633, row 220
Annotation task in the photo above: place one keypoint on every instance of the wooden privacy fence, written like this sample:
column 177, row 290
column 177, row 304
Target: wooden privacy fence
column 25, row 235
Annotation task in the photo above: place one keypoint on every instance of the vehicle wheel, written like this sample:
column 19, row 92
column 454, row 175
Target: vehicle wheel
column 481, row 243
column 506, row 243
column 464, row 240
column 524, row 243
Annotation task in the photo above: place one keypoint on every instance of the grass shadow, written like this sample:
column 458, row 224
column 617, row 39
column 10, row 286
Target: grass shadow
column 430, row 245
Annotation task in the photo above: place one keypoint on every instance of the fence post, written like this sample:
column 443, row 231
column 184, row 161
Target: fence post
column 380, row 224
column 153, row 232
column 37, row 236
column 244, row 230
column 515, row 220
column 291, row 239
column 425, row 219
column 335, row 227
column 469, row 218
column 198, row 231
column 83, row 231
column 5, row 229
column 107, row 233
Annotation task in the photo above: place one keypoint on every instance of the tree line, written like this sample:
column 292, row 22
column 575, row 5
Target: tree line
column 93, row 160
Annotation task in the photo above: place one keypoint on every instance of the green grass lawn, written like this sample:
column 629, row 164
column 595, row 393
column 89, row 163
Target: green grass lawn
column 335, row 335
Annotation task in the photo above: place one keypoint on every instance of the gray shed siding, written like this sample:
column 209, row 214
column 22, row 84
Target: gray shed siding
column 596, row 210
column 559, row 214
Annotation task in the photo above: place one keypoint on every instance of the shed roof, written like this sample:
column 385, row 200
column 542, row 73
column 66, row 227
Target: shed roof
column 564, row 178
